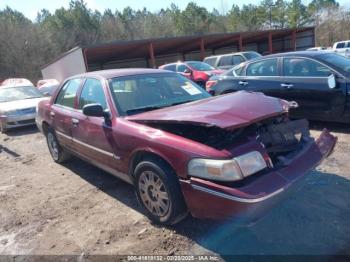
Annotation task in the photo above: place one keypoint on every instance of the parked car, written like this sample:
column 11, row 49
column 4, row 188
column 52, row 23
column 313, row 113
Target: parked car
column 232, row 156
column 47, row 86
column 16, row 82
column 342, row 47
column 317, row 81
column 18, row 106
column 228, row 61
column 317, row 48
column 196, row 71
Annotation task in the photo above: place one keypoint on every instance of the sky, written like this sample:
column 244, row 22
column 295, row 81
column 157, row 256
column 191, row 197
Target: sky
column 30, row 8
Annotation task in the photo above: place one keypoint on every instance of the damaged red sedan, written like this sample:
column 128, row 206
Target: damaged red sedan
column 231, row 156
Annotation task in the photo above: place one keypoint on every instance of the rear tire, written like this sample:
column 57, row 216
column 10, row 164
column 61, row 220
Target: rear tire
column 58, row 154
column 159, row 193
column 201, row 84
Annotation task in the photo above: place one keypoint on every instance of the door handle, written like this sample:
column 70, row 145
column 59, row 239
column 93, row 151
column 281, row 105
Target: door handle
column 52, row 114
column 287, row 85
column 243, row 83
column 75, row 122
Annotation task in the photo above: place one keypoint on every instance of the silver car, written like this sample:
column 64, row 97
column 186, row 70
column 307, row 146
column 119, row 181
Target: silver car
column 18, row 106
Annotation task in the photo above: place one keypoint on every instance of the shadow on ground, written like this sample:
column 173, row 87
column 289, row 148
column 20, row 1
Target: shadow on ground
column 22, row 131
column 333, row 127
column 313, row 220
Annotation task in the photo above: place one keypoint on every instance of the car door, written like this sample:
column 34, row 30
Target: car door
column 305, row 81
column 262, row 76
column 93, row 135
column 61, row 112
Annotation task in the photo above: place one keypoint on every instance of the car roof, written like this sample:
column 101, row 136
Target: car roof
column 111, row 73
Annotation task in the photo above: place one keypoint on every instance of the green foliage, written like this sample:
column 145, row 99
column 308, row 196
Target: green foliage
column 26, row 45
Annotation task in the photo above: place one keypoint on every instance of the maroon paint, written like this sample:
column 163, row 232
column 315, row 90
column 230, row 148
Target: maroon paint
column 124, row 137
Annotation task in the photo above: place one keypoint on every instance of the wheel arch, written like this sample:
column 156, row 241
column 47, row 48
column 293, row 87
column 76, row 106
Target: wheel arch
column 143, row 154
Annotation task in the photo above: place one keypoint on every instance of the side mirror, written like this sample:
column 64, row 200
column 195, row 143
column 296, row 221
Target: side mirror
column 95, row 110
column 332, row 83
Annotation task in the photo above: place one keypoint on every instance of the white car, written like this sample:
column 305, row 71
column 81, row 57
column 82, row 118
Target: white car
column 18, row 106
column 342, row 47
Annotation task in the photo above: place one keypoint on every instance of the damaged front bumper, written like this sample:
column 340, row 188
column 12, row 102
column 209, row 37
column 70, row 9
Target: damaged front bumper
column 250, row 201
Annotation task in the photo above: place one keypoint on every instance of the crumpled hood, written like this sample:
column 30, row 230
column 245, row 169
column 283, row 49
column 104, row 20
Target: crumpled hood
column 226, row 111
column 20, row 104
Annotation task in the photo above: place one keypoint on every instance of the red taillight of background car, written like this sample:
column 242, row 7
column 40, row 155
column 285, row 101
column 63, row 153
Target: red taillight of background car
column 209, row 84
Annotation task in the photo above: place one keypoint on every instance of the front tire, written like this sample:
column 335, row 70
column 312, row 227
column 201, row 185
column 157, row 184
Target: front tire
column 58, row 154
column 159, row 193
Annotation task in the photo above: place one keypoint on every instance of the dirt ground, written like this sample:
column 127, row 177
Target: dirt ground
column 77, row 209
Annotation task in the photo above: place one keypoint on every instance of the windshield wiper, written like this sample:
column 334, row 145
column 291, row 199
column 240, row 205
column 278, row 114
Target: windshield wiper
column 143, row 109
column 183, row 102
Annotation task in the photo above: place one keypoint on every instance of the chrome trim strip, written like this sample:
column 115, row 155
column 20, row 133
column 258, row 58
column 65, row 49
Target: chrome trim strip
column 120, row 175
column 89, row 146
column 93, row 148
column 234, row 198
column 63, row 135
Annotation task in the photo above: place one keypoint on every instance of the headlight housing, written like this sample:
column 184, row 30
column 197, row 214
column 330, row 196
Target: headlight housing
column 227, row 170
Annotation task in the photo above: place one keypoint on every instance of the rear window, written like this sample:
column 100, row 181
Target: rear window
column 267, row 67
column 67, row 94
column 251, row 55
column 170, row 67
column 341, row 45
column 225, row 60
column 210, row 60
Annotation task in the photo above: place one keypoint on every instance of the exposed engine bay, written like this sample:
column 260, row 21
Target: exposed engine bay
column 279, row 135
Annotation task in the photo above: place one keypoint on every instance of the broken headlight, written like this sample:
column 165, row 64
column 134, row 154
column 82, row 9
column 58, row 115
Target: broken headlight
column 227, row 170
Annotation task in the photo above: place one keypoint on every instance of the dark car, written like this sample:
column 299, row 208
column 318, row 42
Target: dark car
column 318, row 81
column 196, row 71
column 227, row 61
column 232, row 156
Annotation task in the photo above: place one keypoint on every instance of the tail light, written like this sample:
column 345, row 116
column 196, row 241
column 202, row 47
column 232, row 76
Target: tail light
column 209, row 84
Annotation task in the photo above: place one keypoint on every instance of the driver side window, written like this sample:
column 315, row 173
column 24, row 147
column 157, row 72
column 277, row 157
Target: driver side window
column 92, row 93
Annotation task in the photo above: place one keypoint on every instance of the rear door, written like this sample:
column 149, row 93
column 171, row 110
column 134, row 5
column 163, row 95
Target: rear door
column 61, row 112
column 305, row 81
column 262, row 76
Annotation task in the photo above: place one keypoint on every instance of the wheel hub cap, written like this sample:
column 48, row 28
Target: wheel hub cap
column 153, row 193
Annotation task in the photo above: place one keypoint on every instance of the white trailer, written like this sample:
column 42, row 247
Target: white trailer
column 68, row 64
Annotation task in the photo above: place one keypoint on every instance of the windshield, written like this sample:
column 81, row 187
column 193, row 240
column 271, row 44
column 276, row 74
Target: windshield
column 251, row 55
column 200, row 66
column 8, row 94
column 339, row 61
column 140, row 93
